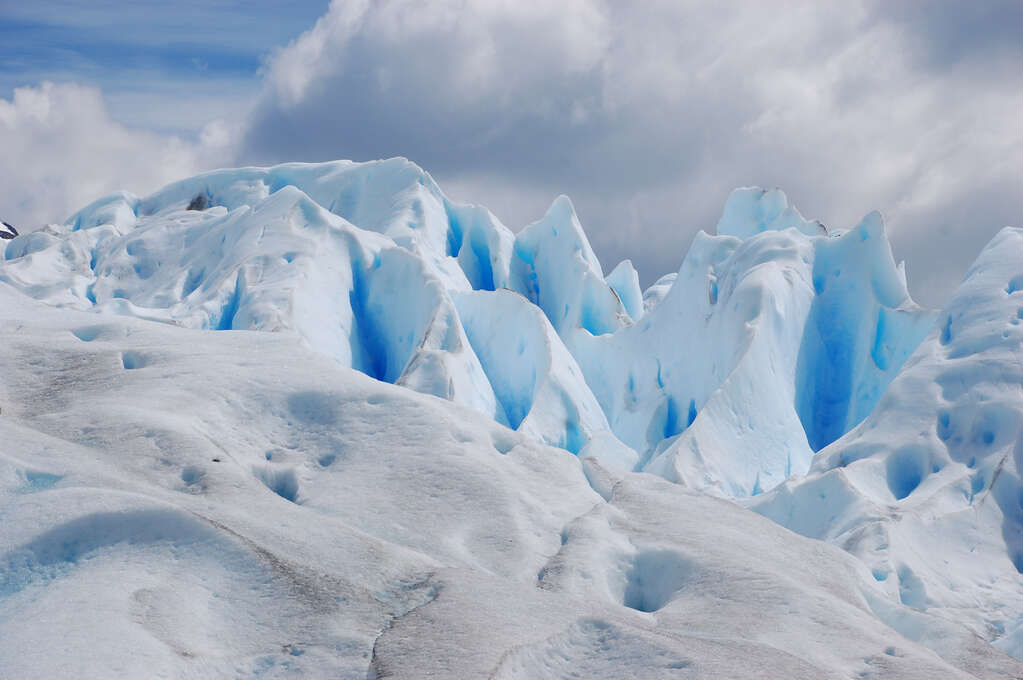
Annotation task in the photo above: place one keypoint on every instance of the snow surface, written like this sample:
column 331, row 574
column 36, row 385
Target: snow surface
column 179, row 503
column 419, row 449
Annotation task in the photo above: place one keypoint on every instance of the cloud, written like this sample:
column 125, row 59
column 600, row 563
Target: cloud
column 61, row 150
column 647, row 115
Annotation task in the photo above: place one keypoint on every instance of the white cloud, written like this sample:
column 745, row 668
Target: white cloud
column 60, row 150
column 488, row 49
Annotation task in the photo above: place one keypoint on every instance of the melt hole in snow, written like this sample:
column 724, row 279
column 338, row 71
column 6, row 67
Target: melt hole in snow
column 283, row 482
column 654, row 578
column 133, row 360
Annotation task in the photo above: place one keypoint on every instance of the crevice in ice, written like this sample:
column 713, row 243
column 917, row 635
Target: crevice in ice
column 407, row 598
column 373, row 346
column 946, row 331
column 192, row 281
column 671, row 423
column 861, row 327
column 225, row 321
column 454, row 239
column 467, row 241
column 824, row 372
column 484, row 266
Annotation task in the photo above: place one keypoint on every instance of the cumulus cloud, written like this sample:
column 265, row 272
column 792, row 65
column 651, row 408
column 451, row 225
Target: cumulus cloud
column 648, row 114
column 61, row 149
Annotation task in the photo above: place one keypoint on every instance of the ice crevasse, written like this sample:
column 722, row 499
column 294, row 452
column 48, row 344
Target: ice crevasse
column 774, row 338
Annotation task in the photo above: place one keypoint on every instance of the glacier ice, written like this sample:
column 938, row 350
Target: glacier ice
column 265, row 503
column 926, row 490
column 372, row 265
column 624, row 281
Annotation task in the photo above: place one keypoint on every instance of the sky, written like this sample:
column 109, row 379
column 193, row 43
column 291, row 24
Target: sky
column 646, row 114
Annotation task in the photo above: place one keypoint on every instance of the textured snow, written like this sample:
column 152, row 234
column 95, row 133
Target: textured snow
column 236, row 505
column 420, row 448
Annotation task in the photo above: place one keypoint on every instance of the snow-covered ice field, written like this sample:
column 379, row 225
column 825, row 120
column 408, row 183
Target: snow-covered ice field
column 327, row 423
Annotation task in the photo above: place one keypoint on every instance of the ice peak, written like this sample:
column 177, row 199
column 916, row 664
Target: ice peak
column 560, row 224
column 752, row 210
column 556, row 269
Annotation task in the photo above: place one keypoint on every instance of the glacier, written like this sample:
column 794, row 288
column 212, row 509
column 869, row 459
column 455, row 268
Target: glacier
column 372, row 265
column 319, row 419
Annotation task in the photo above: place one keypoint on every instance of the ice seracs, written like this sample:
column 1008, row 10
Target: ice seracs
column 538, row 384
column 556, row 269
column 807, row 326
column 927, row 491
column 372, row 265
column 752, row 210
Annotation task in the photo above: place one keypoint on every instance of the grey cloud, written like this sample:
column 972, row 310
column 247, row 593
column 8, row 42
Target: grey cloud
column 944, row 33
column 648, row 115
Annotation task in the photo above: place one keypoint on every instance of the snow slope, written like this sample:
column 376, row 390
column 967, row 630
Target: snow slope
column 187, row 504
column 372, row 265
column 927, row 491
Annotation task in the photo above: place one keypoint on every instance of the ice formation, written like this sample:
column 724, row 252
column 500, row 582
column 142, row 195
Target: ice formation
column 927, row 491
column 372, row 265
column 494, row 488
